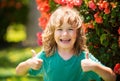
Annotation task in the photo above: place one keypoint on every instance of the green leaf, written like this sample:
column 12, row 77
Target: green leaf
column 98, row 29
column 114, row 46
column 88, row 17
column 103, row 39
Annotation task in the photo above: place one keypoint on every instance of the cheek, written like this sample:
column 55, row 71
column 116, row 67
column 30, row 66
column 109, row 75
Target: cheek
column 74, row 38
column 74, row 34
column 55, row 36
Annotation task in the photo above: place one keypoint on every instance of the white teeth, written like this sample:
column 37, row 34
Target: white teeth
column 64, row 40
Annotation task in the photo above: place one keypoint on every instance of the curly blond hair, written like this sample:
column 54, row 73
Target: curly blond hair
column 57, row 18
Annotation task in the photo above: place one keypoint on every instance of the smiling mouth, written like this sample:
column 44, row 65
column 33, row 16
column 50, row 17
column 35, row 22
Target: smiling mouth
column 65, row 41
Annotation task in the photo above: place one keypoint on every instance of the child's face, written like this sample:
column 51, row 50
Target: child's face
column 65, row 36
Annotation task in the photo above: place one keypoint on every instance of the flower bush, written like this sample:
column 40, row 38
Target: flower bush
column 117, row 68
column 12, row 11
column 101, row 25
column 117, row 71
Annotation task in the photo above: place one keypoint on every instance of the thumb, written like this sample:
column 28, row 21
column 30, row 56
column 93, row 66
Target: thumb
column 87, row 57
column 33, row 53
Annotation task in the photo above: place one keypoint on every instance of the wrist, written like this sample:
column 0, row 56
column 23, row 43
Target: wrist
column 28, row 63
column 95, row 67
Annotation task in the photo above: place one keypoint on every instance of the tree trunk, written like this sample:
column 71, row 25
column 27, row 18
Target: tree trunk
column 32, row 26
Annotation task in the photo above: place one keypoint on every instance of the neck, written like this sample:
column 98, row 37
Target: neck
column 65, row 53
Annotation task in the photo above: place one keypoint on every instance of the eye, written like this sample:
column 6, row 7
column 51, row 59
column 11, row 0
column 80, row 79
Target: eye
column 70, row 29
column 59, row 29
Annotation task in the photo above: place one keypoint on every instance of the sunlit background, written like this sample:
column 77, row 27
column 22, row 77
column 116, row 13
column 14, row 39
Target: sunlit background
column 18, row 28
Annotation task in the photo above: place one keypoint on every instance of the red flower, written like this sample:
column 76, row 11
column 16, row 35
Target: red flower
column 69, row 3
column 100, row 5
column 96, row 14
column 104, row 5
column 90, row 25
column 77, row 2
column 92, row 5
column 42, row 22
column 62, row 2
column 39, row 36
column 38, row 2
column 84, row 27
column 98, row 18
column 117, row 68
column 44, row 6
column 107, row 10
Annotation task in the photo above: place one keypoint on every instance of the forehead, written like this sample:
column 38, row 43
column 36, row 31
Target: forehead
column 65, row 25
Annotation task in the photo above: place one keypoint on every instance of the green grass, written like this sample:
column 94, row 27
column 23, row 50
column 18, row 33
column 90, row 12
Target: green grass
column 10, row 58
column 18, row 78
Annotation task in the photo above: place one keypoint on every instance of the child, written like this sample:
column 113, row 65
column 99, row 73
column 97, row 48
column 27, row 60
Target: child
column 65, row 56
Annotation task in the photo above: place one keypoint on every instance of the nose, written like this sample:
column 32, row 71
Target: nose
column 65, row 32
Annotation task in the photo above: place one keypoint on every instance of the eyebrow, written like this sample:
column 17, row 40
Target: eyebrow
column 68, row 27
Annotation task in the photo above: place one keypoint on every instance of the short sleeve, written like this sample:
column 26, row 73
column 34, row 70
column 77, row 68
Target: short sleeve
column 93, row 58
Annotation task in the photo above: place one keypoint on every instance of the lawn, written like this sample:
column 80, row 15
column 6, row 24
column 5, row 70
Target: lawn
column 10, row 58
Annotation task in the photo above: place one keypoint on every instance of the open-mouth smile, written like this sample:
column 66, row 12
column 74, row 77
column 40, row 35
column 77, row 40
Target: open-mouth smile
column 65, row 41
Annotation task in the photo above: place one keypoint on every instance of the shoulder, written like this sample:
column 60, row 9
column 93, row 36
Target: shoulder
column 41, row 54
column 87, row 54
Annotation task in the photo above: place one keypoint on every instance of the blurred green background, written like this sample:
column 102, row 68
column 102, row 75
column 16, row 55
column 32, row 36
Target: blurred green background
column 10, row 58
column 17, row 37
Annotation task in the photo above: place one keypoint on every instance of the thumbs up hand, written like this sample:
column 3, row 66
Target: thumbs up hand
column 87, row 64
column 34, row 62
